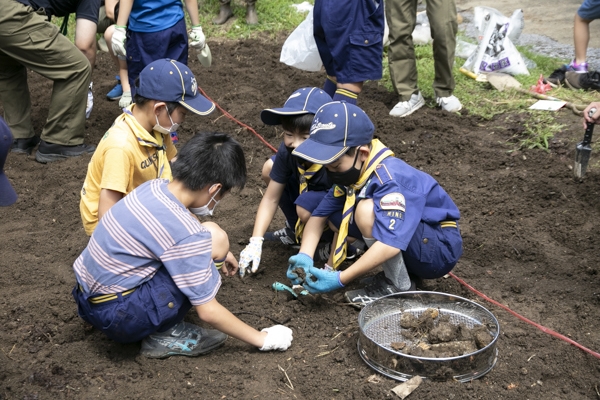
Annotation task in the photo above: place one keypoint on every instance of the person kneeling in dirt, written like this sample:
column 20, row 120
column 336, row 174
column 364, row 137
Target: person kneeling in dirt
column 408, row 222
column 138, row 146
column 149, row 260
column 296, row 186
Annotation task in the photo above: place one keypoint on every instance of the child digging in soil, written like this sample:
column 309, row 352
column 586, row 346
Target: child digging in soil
column 138, row 146
column 294, row 185
column 408, row 222
column 149, row 260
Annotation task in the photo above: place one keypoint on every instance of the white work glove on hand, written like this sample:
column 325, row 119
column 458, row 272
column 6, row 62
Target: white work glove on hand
column 251, row 255
column 125, row 100
column 118, row 41
column 278, row 337
column 197, row 38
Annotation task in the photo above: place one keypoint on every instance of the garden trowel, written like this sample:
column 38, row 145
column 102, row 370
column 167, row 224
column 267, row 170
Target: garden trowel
column 584, row 149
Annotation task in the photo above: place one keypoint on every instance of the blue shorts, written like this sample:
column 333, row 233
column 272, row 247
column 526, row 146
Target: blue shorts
column 154, row 306
column 590, row 10
column 349, row 36
column 145, row 47
column 432, row 252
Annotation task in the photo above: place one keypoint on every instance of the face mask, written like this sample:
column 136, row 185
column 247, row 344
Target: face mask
column 345, row 178
column 290, row 149
column 204, row 210
column 165, row 131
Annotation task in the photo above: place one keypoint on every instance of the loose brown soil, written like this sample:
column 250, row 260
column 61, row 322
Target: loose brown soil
column 530, row 239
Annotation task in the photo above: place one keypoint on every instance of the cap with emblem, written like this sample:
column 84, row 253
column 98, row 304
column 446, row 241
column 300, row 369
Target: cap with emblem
column 170, row 80
column 303, row 101
column 336, row 127
column 7, row 194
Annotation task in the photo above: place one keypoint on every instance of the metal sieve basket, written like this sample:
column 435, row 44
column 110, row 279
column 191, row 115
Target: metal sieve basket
column 379, row 325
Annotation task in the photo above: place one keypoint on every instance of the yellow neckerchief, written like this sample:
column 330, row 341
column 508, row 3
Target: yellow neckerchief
column 305, row 175
column 378, row 153
column 148, row 140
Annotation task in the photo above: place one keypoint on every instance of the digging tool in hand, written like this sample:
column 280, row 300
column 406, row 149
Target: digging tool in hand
column 584, row 149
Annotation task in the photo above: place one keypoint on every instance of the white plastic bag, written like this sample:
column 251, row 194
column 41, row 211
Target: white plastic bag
column 496, row 51
column 300, row 50
column 422, row 33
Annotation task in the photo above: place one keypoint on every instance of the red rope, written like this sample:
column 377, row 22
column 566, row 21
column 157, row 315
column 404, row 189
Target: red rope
column 239, row 122
column 465, row 284
column 540, row 327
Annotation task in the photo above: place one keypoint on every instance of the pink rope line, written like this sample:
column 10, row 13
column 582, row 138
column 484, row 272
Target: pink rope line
column 239, row 122
column 540, row 327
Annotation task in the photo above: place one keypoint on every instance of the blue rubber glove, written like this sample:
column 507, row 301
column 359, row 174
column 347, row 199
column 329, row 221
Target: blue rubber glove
column 326, row 281
column 300, row 260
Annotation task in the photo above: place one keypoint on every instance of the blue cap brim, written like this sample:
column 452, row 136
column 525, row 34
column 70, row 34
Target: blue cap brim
column 8, row 196
column 272, row 116
column 319, row 153
column 199, row 105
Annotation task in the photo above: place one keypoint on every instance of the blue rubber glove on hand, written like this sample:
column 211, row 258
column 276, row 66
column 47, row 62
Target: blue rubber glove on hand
column 300, row 260
column 326, row 281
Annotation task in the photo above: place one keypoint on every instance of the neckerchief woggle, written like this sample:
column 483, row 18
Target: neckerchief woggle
column 148, row 140
column 305, row 175
column 378, row 153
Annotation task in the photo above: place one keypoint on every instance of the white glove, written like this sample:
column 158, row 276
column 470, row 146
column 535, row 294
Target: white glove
column 197, row 38
column 251, row 255
column 90, row 102
column 118, row 41
column 278, row 337
column 125, row 100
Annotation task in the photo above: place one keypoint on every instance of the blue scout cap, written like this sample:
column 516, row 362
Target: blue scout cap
column 170, row 80
column 7, row 194
column 337, row 127
column 302, row 101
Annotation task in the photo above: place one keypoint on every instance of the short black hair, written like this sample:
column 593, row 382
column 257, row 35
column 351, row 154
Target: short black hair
column 297, row 123
column 209, row 158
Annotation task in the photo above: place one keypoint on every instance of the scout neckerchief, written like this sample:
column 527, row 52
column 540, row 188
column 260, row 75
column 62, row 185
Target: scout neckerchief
column 305, row 175
column 148, row 140
column 378, row 153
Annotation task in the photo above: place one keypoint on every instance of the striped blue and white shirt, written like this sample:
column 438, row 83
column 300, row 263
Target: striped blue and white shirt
column 147, row 230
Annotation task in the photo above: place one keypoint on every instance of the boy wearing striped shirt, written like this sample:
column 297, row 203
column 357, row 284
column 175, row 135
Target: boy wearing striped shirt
column 150, row 260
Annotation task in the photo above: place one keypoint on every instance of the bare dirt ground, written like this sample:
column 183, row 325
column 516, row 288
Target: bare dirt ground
column 530, row 240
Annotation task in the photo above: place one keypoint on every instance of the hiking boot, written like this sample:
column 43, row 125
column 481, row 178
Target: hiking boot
column 285, row 235
column 450, row 103
column 48, row 152
column 324, row 249
column 116, row 92
column 184, row 339
column 224, row 14
column 251, row 17
column 585, row 81
column 579, row 68
column 404, row 108
column 557, row 77
column 376, row 287
column 25, row 146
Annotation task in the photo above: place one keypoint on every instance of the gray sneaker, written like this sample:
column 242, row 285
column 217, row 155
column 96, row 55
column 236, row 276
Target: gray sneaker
column 184, row 339
column 284, row 235
column 404, row 108
column 375, row 287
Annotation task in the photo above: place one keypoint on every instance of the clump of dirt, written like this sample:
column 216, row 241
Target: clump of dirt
column 434, row 336
column 300, row 272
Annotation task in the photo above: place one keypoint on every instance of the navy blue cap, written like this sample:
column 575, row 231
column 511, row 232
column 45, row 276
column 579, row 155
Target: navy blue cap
column 303, row 101
column 172, row 81
column 337, row 127
column 7, row 194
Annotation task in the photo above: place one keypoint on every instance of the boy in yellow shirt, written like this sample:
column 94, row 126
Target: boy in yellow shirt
column 138, row 146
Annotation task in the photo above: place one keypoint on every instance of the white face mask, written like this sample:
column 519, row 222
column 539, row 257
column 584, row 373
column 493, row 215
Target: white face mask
column 165, row 131
column 204, row 210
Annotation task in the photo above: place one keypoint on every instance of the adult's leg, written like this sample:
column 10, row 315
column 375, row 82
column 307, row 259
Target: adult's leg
column 442, row 17
column 581, row 38
column 29, row 39
column 402, row 18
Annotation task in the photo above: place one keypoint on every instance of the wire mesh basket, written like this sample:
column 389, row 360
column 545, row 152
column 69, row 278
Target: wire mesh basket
column 379, row 325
